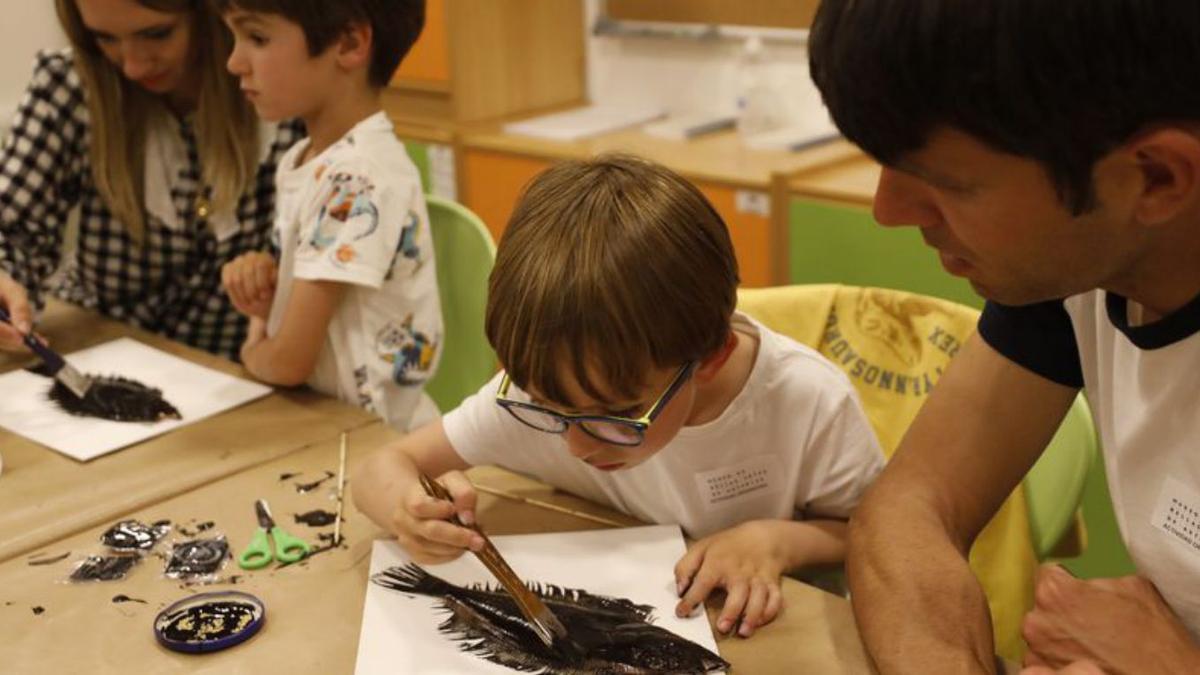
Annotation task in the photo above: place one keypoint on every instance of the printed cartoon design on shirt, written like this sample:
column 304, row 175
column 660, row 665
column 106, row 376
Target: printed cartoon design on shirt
column 410, row 351
column 365, row 400
column 351, row 199
column 890, row 320
column 407, row 246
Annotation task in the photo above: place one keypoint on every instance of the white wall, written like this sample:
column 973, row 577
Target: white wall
column 684, row 75
column 27, row 26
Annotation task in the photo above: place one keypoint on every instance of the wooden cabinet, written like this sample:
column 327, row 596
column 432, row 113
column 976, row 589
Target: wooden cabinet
column 494, row 168
column 833, row 238
column 483, row 60
column 427, row 65
column 494, row 181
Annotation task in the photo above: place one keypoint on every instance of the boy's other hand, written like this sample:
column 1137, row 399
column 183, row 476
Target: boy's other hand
column 747, row 563
column 249, row 280
column 422, row 523
column 14, row 299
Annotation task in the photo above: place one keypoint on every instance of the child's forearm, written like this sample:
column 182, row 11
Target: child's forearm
column 289, row 355
column 806, row 543
column 266, row 359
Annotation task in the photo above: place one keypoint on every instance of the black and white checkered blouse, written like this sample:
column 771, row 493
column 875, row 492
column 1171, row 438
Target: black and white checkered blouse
column 171, row 284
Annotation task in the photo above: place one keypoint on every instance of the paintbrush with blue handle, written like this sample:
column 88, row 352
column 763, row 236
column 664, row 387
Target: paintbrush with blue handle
column 56, row 366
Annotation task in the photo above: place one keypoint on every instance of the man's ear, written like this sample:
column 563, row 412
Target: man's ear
column 1168, row 162
column 710, row 365
column 354, row 46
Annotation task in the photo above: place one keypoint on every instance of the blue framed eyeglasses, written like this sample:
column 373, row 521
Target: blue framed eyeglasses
column 626, row 431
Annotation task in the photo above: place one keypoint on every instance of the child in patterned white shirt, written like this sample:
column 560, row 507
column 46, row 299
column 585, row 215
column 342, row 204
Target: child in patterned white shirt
column 351, row 306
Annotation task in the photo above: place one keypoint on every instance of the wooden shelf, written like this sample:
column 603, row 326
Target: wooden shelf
column 850, row 181
column 719, row 158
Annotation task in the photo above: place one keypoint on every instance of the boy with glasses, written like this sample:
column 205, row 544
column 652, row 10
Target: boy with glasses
column 630, row 380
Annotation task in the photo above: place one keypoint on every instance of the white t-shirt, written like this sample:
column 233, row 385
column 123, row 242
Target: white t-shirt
column 355, row 214
column 1141, row 384
column 794, row 443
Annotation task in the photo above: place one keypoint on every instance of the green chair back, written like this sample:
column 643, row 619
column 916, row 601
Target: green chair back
column 1054, row 486
column 464, row 252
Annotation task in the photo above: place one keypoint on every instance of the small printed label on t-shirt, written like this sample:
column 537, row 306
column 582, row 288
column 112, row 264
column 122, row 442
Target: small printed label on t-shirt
column 753, row 477
column 1178, row 513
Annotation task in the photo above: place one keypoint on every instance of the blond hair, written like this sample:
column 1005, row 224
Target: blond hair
column 225, row 125
column 609, row 266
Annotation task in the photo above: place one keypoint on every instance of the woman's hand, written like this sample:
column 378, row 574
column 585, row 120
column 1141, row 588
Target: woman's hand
column 16, row 301
column 249, row 280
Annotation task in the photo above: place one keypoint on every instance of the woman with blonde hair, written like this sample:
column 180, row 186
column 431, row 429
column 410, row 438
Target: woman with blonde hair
column 139, row 124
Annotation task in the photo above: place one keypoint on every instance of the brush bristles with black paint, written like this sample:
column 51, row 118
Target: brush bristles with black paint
column 547, row 626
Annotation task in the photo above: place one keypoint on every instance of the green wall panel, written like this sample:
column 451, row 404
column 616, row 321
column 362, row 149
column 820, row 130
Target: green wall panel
column 844, row 244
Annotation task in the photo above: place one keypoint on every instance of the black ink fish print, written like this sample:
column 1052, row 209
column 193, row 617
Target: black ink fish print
column 117, row 399
column 114, row 398
column 613, row 635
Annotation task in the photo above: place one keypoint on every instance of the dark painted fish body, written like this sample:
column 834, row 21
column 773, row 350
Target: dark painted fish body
column 614, row 635
column 116, row 398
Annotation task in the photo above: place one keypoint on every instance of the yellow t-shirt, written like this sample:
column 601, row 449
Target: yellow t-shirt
column 894, row 346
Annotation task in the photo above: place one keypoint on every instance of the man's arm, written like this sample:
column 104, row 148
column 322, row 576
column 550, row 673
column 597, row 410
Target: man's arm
column 918, row 606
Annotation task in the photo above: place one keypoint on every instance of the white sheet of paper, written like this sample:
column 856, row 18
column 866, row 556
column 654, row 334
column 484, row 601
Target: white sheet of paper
column 197, row 392
column 399, row 631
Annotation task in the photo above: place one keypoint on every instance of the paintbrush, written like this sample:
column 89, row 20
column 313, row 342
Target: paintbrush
column 545, row 624
column 548, row 506
column 337, row 521
column 56, row 366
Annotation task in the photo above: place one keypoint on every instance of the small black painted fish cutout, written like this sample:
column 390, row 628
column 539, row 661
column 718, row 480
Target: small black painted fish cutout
column 114, row 398
column 104, row 568
column 316, row 518
column 133, row 535
column 614, row 635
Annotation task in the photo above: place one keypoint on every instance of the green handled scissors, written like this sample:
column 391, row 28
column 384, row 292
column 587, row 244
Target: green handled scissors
column 288, row 549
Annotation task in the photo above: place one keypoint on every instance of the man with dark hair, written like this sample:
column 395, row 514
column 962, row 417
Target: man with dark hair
column 1050, row 153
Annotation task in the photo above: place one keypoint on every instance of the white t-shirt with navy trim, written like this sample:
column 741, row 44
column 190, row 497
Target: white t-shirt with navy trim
column 794, row 443
column 1143, row 385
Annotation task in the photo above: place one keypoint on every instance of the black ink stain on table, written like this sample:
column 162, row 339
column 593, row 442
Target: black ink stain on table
column 309, row 487
column 118, row 599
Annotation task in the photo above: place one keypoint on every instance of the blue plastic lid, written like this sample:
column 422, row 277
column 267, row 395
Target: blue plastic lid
column 209, row 622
